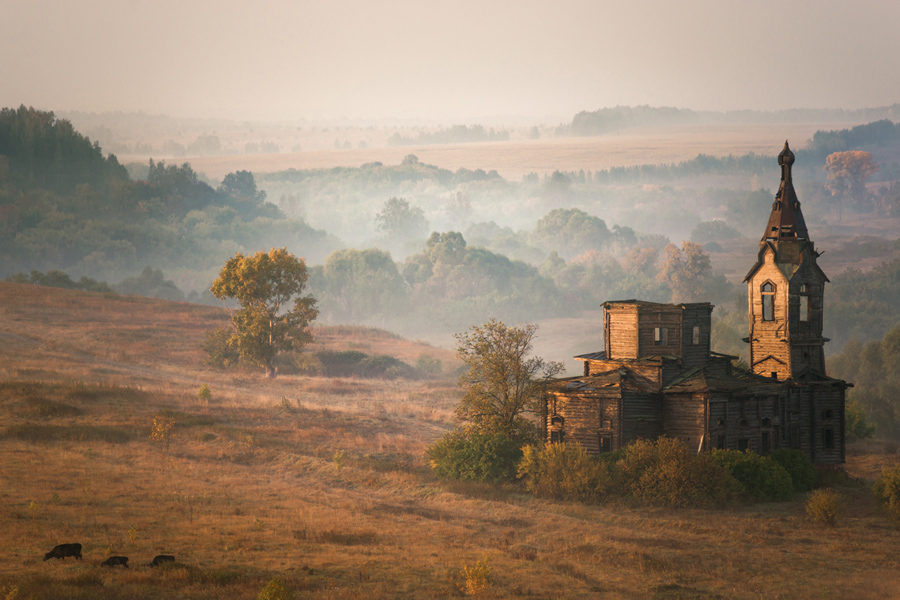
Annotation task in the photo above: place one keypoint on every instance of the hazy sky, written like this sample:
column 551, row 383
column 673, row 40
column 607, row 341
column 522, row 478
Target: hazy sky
column 362, row 59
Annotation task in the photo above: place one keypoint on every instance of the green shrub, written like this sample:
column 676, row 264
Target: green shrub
column 887, row 492
column 804, row 476
column 219, row 353
column 564, row 471
column 665, row 472
column 351, row 363
column 276, row 589
column 824, row 506
column 762, row 479
column 855, row 425
column 204, row 395
column 428, row 366
column 475, row 456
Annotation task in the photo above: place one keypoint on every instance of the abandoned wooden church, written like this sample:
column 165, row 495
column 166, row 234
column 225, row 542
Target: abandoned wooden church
column 658, row 376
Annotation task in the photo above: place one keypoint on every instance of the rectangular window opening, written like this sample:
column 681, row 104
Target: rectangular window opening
column 556, row 437
column 659, row 336
column 743, row 444
column 804, row 308
column 720, row 442
column 605, row 441
column 697, row 335
column 768, row 307
column 829, row 439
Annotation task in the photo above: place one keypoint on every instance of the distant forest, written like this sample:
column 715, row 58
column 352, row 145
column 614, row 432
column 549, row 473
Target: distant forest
column 606, row 120
column 413, row 247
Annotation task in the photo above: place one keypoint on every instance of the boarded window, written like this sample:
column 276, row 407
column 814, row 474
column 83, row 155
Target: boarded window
column 829, row 439
column 659, row 336
column 605, row 441
column 697, row 335
column 556, row 437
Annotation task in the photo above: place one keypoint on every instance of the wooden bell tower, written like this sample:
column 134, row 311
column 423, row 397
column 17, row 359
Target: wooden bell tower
column 786, row 291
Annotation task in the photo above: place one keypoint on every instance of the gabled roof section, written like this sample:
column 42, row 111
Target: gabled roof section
column 592, row 356
column 621, row 378
column 786, row 221
column 701, row 379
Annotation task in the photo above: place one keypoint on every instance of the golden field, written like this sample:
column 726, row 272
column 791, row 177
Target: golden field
column 518, row 157
column 323, row 483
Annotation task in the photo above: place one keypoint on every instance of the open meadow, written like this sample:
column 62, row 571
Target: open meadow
column 323, row 482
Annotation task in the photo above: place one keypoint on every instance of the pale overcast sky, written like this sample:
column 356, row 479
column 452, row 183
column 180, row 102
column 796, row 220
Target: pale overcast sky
column 465, row 59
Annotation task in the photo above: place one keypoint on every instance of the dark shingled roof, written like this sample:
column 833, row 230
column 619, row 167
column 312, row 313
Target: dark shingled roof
column 617, row 378
column 786, row 221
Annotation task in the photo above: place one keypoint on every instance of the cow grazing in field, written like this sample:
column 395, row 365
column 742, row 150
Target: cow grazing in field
column 162, row 559
column 115, row 560
column 63, row 550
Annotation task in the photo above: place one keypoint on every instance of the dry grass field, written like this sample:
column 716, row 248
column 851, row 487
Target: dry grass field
column 323, row 483
column 513, row 159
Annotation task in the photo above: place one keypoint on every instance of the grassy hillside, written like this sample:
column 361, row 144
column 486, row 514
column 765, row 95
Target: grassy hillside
column 323, row 483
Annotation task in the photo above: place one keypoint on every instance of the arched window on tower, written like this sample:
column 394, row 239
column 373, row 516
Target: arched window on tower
column 804, row 303
column 768, row 301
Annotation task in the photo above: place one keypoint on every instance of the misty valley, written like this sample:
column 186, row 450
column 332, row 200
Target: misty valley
column 302, row 379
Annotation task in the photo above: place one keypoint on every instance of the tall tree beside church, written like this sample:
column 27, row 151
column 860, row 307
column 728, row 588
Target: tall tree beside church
column 687, row 271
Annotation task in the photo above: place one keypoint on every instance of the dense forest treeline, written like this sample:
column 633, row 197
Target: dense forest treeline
column 456, row 134
column 64, row 206
column 606, row 120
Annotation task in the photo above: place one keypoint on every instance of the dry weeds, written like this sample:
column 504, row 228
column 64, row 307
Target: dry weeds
column 324, row 484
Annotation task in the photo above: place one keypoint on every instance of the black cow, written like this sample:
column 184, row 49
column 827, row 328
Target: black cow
column 115, row 560
column 63, row 550
column 162, row 559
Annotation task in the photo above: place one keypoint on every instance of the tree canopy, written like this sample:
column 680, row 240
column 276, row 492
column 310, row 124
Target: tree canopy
column 501, row 382
column 264, row 284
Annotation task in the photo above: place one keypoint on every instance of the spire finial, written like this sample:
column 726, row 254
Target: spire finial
column 786, row 157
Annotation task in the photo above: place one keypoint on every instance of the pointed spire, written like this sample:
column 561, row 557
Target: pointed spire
column 786, row 221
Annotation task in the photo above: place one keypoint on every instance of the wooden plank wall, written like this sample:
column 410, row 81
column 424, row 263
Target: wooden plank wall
column 695, row 316
column 584, row 416
column 769, row 338
column 651, row 317
column 621, row 323
column 641, row 415
column 684, row 417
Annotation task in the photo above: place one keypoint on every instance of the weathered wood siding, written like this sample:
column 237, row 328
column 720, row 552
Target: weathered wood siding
column 684, row 417
column 769, row 338
column 662, row 316
column 586, row 416
column 695, row 315
column 620, row 329
column 807, row 344
column 641, row 415
column 648, row 370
